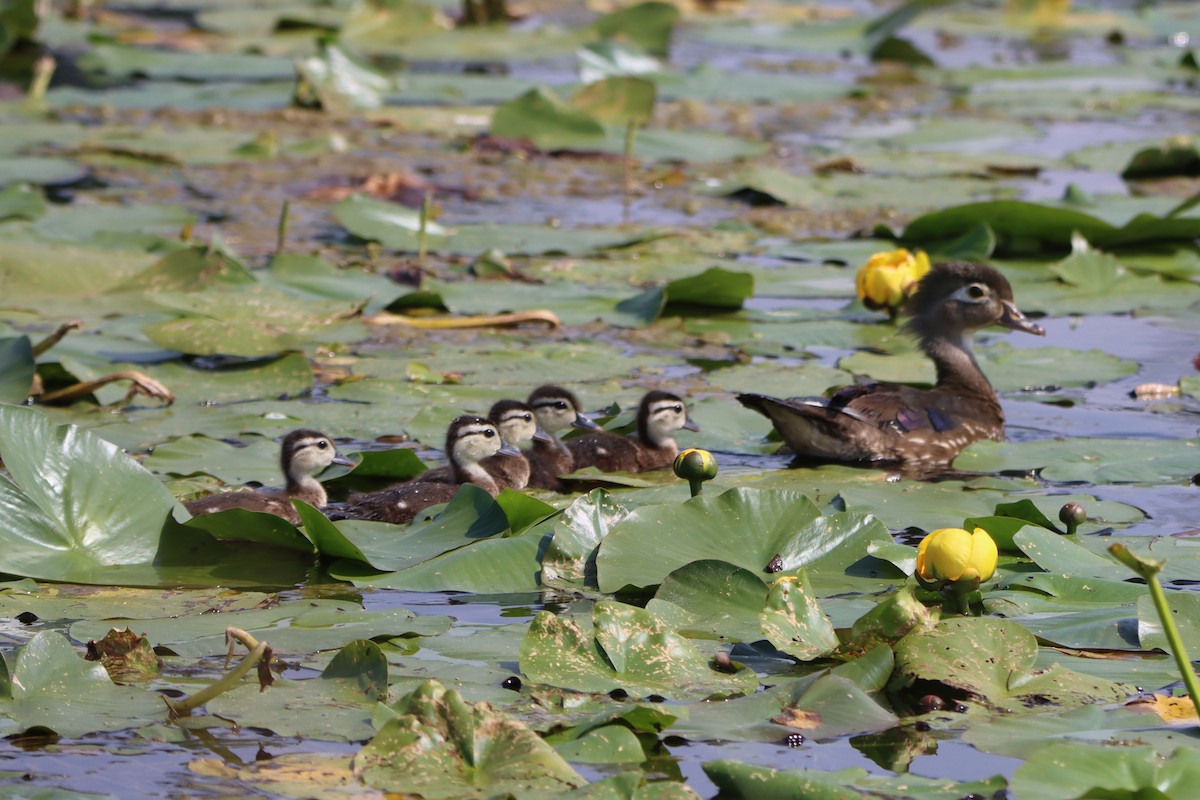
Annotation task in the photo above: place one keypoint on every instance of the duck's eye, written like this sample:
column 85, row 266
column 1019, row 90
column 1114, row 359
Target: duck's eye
column 489, row 433
column 677, row 409
column 323, row 445
column 976, row 291
column 527, row 417
column 561, row 405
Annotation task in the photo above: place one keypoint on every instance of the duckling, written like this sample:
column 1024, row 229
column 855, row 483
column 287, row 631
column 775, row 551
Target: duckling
column 469, row 441
column 517, row 426
column 303, row 454
column 886, row 422
column 659, row 415
column 556, row 409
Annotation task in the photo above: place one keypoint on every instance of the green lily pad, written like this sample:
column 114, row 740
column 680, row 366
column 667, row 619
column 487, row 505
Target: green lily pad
column 747, row 527
column 628, row 648
column 16, row 369
column 1075, row 769
column 244, row 322
column 749, row 782
column 335, row 80
column 76, row 503
column 50, row 685
column 293, row 628
column 439, row 746
column 257, row 462
column 122, row 61
column 1097, row 461
column 568, row 562
column 1007, row 367
column 18, row 201
column 338, row 704
column 953, row 654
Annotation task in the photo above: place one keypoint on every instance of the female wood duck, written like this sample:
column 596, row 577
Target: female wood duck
column 659, row 415
column 556, row 409
column 892, row 423
column 469, row 441
column 303, row 454
column 518, row 427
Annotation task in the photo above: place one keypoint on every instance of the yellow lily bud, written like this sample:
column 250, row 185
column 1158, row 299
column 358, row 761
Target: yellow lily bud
column 695, row 466
column 888, row 279
column 949, row 555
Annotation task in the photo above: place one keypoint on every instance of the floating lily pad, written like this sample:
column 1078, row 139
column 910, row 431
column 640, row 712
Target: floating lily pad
column 1007, row 367
column 747, row 527
column 339, row 703
column 76, row 503
column 1063, row 770
column 439, row 746
column 50, row 686
column 1095, row 461
column 628, row 648
column 953, row 654
column 749, row 782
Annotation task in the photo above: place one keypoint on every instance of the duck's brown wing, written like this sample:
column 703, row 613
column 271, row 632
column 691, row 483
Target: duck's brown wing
column 398, row 504
column 265, row 502
column 872, row 423
column 608, row 452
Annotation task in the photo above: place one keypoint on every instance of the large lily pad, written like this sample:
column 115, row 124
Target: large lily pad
column 338, row 705
column 76, row 504
column 439, row 746
column 952, row 654
column 50, row 686
column 628, row 648
column 749, row 782
column 747, row 527
column 1087, row 460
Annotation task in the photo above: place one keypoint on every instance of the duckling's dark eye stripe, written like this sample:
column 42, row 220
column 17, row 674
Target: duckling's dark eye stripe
column 558, row 404
column 667, row 407
column 488, row 432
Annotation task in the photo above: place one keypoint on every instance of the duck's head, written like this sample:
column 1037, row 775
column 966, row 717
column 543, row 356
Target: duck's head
column 558, row 409
column 306, row 452
column 660, row 414
column 516, row 422
column 469, row 440
column 957, row 298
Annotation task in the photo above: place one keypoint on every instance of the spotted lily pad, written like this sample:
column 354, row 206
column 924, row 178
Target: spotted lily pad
column 953, row 654
column 439, row 746
column 50, row 686
column 627, row 648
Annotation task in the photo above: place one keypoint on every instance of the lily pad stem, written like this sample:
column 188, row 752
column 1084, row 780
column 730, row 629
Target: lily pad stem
column 184, row 707
column 1148, row 570
column 423, row 229
column 630, row 138
column 281, row 230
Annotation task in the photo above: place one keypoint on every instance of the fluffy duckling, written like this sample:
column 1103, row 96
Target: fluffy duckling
column 556, row 409
column 659, row 415
column 469, row 441
column 919, row 428
column 303, row 454
column 518, row 427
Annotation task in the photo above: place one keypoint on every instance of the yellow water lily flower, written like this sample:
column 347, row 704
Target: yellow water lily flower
column 951, row 555
column 889, row 278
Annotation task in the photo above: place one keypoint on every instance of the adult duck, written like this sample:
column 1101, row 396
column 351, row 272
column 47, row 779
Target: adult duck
column 885, row 422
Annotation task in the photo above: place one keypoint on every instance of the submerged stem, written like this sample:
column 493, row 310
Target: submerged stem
column 181, row 708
